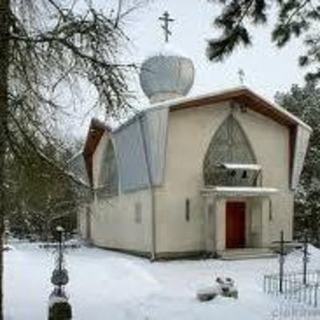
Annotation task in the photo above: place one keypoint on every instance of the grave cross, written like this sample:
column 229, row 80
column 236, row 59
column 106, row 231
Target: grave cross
column 282, row 255
column 59, row 276
column 166, row 19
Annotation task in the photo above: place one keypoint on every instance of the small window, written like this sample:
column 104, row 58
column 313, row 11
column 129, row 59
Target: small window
column 187, row 210
column 138, row 213
column 270, row 210
column 210, row 209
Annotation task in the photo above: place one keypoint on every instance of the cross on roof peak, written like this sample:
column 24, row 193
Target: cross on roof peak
column 241, row 75
column 166, row 19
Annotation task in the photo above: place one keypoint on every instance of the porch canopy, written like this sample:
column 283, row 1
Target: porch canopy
column 240, row 166
column 241, row 174
column 231, row 192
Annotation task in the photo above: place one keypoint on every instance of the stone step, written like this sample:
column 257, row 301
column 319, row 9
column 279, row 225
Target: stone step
column 247, row 253
column 247, row 257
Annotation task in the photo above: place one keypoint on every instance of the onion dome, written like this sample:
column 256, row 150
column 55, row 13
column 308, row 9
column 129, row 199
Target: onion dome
column 166, row 75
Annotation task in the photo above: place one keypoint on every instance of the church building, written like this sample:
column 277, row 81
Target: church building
column 193, row 175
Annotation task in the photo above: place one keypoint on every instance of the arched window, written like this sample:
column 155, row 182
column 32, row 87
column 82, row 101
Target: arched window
column 108, row 179
column 229, row 145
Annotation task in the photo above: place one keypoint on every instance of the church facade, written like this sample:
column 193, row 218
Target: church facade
column 198, row 175
column 193, row 175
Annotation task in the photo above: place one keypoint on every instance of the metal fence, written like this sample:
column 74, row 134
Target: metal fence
column 293, row 287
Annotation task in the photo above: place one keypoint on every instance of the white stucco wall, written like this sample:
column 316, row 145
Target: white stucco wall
column 115, row 224
column 189, row 134
column 115, row 221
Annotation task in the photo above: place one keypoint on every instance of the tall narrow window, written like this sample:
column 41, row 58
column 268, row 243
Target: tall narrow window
column 138, row 213
column 229, row 145
column 187, row 213
column 108, row 180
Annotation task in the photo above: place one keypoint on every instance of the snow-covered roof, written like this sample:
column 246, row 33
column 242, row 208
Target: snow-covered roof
column 241, row 166
column 240, row 93
column 242, row 90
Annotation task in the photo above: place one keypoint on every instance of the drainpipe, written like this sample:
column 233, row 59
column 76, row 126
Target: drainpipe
column 152, row 192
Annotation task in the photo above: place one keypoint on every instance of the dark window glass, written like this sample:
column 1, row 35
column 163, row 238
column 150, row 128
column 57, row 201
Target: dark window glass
column 229, row 145
column 187, row 209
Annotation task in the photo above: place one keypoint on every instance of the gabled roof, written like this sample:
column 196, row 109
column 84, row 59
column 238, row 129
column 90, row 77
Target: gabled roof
column 95, row 133
column 242, row 95
column 96, row 130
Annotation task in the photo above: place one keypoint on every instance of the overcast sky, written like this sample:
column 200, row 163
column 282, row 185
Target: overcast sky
column 267, row 69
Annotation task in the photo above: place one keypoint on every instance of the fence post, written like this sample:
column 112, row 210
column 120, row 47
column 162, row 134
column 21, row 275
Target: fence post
column 305, row 258
column 299, row 294
column 316, row 288
column 281, row 261
column 310, row 295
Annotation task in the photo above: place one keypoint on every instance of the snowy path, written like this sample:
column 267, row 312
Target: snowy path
column 107, row 285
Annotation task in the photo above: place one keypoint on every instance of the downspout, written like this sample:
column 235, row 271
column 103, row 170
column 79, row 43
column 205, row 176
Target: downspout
column 153, row 207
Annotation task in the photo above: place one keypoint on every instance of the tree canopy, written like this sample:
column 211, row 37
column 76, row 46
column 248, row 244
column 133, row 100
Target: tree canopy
column 304, row 102
column 48, row 47
column 295, row 18
column 53, row 45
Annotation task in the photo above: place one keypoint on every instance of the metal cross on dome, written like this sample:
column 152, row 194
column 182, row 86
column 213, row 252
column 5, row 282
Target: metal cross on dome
column 166, row 19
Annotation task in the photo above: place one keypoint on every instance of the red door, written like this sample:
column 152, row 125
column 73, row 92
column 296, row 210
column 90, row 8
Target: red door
column 235, row 224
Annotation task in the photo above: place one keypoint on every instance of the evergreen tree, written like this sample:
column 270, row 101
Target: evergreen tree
column 295, row 18
column 41, row 197
column 305, row 103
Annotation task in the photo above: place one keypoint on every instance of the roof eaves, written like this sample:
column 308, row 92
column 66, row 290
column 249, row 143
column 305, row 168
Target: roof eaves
column 222, row 95
column 280, row 109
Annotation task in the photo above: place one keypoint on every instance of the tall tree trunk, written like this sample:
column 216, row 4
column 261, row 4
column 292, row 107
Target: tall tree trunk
column 4, row 60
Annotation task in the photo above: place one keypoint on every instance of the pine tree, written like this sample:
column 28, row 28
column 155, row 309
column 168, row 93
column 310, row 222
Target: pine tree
column 305, row 103
column 294, row 19
column 41, row 196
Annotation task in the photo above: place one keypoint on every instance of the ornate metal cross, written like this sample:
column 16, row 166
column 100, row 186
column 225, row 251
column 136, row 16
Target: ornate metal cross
column 166, row 19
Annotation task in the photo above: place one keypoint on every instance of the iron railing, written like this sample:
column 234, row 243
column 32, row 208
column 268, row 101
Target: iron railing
column 293, row 287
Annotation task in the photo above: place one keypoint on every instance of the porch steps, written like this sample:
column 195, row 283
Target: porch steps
column 247, row 253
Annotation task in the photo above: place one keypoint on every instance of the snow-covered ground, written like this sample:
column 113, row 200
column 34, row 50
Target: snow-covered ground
column 108, row 285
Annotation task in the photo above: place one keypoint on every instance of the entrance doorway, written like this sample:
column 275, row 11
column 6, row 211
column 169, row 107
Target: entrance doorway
column 235, row 224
